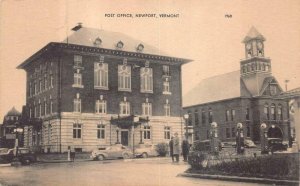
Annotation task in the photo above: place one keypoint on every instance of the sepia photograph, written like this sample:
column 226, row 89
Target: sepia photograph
column 149, row 93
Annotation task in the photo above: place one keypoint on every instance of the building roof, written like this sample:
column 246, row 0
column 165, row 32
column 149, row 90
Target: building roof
column 291, row 93
column 13, row 112
column 108, row 39
column 253, row 34
column 220, row 87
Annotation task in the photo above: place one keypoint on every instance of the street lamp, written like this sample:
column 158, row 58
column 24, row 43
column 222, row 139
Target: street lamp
column 263, row 138
column 240, row 139
column 214, row 141
column 186, row 117
column 117, row 134
column 17, row 131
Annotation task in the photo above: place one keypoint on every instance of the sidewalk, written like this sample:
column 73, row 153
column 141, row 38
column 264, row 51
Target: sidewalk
column 240, row 179
column 61, row 158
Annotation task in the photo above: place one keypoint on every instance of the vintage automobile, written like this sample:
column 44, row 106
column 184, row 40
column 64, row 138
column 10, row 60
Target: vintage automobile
column 145, row 151
column 24, row 155
column 112, row 152
column 276, row 144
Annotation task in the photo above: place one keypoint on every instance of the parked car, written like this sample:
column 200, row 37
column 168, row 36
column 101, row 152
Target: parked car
column 112, row 152
column 24, row 154
column 249, row 143
column 276, row 144
column 145, row 151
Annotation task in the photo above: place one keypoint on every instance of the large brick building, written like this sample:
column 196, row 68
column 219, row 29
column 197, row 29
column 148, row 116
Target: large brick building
column 250, row 96
column 99, row 88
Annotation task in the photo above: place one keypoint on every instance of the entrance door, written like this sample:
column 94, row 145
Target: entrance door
column 124, row 138
column 275, row 132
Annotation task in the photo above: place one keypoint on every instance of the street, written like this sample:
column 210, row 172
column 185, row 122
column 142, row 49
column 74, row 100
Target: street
column 151, row 171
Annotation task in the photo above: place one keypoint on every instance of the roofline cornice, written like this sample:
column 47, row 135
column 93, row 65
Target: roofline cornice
column 254, row 59
column 96, row 51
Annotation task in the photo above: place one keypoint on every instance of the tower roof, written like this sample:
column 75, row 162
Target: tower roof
column 253, row 34
column 13, row 112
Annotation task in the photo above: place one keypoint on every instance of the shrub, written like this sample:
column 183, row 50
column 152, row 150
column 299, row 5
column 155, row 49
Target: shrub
column 162, row 149
column 278, row 166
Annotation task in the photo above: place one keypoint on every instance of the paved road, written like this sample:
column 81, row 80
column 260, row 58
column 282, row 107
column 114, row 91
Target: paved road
column 137, row 172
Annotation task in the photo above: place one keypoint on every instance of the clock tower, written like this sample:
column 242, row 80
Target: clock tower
column 255, row 68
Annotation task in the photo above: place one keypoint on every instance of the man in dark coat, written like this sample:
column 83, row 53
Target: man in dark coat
column 171, row 149
column 185, row 149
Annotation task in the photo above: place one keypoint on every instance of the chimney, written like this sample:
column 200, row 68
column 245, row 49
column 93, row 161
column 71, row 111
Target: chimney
column 79, row 26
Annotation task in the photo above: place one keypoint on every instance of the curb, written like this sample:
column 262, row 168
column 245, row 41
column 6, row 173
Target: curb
column 240, row 179
column 62, row 161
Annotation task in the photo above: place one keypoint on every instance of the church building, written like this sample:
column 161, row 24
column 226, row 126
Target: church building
column 250, row 95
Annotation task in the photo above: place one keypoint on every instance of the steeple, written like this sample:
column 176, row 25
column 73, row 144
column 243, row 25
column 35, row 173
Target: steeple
column 254, row 44
column 255, row 67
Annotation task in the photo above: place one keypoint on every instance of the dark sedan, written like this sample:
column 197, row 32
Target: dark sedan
column 24, row 155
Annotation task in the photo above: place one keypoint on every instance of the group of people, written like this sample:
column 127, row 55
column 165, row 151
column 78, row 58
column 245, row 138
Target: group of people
column 174, row 145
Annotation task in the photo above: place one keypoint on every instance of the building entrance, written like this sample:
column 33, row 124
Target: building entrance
column 124, row 138
column 275, row 132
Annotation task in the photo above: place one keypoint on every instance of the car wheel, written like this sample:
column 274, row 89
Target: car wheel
column 145, row 155
column 125, row 156
column 26, row 161
column 100, row 158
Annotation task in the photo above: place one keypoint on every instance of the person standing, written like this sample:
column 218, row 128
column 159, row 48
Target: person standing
column 171, row 148
column 176, row 147
column 185, row 149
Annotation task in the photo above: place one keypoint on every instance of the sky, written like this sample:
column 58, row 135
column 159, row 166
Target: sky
column 201, row 31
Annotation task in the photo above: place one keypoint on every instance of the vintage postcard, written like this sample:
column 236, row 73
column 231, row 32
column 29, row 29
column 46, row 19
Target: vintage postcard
column 149, row 92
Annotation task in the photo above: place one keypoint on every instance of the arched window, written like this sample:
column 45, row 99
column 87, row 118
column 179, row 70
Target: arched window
column 266, row 111
column 279, row 112
column 273, row 113
column 203, row 117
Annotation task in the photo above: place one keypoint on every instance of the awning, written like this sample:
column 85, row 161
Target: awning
column 128, row 121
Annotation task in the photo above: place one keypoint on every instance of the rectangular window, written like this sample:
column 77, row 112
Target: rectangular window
column 101, row 107
column 203, row 117
column 40, row 86
column 210, row 116
column 166, row 70
column 146, row 79
column 190, row 119
column 166, row 88
column 124, row 78
column 147, row 109
column 45, row 107
column 101, row 131
column 35, row 88
column 167, row 110
column 196, row 117
column 233, row 132
column 227, row 114
column 77, row 80
column 30, row 89
column 167, row 132
column 40, row 109
column 77, row 60
column 227, row 133
column 46, row 82
column 125, row 108
column 101, row 75
column 51, row 80
column 232, row 115
column 51, row 106
column 77, row 105
column 147, row 132
column 77, row 130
